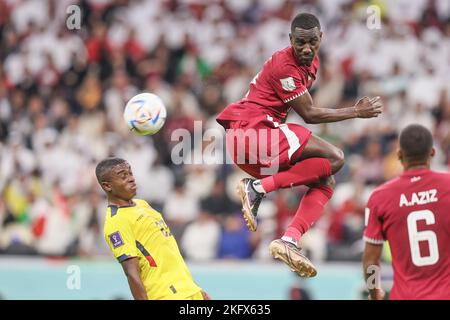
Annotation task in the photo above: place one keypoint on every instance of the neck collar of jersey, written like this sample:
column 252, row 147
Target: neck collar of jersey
column 114, row 208
column 415, row 172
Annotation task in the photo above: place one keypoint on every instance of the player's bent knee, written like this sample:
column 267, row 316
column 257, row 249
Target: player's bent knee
column 338, row 161
column 330, row 182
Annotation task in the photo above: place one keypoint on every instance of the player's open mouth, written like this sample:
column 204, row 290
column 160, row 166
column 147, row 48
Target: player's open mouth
column 133, row 186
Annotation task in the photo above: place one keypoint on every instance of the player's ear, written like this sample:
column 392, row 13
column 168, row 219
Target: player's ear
column 400, row 155
column 433, row 152
column 106, row 186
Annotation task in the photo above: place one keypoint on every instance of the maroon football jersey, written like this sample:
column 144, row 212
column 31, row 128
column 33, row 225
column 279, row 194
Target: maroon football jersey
column 282, row 79
column 412, row 212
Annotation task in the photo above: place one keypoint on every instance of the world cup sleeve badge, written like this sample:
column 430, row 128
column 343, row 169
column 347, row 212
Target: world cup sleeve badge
column 288, row 84
column 116, row 239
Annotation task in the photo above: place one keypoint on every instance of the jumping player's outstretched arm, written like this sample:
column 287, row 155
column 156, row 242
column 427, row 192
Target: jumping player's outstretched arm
column 131, row 268
column 364, row 108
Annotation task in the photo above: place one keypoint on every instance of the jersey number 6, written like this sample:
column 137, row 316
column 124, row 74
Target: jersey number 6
column 416, row 236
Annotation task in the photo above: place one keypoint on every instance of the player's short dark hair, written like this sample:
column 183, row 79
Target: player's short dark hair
column 104, row 166
column 416, row 142
column 305, row 21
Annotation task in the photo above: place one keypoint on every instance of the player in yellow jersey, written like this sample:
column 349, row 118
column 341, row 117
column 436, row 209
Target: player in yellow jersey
column 141, row 241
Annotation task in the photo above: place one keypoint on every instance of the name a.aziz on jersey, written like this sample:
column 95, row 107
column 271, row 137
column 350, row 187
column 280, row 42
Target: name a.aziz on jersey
column 419, row 198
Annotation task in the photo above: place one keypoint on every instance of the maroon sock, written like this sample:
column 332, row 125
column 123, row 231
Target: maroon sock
column 304, row 172
column 309, row 211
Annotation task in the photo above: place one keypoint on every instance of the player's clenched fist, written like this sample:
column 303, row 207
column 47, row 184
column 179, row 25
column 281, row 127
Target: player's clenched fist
column 368, row 108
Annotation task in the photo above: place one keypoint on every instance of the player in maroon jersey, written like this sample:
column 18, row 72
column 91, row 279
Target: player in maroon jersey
column 412, row 213
column 255, row 125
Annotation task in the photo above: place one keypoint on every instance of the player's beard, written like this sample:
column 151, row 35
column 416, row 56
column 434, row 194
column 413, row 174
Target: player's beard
column 304, row 59
column 307, row 60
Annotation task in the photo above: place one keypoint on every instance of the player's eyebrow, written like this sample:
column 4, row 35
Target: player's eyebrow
column 121, row 171
column 306, row 38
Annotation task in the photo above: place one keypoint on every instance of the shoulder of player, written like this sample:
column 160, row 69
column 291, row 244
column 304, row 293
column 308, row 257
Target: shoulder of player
column 113, row 219
column 386, row 189
column 441, row 179
column 115, row 215
column 282, row 60
column 143, row 204
column 140, row 202
column 441, row 174
column 285, row 71
column 283, row 54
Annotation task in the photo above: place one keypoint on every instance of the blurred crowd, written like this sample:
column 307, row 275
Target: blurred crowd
column 62, row 93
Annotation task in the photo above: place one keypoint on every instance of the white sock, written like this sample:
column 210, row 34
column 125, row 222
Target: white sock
column 258, row 186
column 289, row 239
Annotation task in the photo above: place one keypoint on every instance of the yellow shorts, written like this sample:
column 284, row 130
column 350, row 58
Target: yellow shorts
column 196, row 296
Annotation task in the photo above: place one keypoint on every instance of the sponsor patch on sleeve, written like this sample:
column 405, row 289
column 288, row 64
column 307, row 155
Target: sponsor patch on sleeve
column 116, row 239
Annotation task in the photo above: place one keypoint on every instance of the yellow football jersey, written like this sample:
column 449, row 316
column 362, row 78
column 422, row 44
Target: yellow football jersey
column 140, row 231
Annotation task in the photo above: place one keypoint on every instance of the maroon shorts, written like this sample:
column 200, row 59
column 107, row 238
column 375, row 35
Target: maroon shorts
column 261, row 149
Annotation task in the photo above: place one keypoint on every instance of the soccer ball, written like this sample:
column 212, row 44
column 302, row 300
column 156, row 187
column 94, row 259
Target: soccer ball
column 145, row 114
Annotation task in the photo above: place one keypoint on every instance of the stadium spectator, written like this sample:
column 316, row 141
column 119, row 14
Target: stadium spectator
column 235, row 241
column 201, row 238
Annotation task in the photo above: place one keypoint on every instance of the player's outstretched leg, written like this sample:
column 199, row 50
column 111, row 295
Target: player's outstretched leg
column 251, row 199
column 309, row 211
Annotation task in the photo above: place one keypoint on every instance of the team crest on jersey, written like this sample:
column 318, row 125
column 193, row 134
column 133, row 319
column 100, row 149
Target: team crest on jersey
column 288, row 84
column 116, row 239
